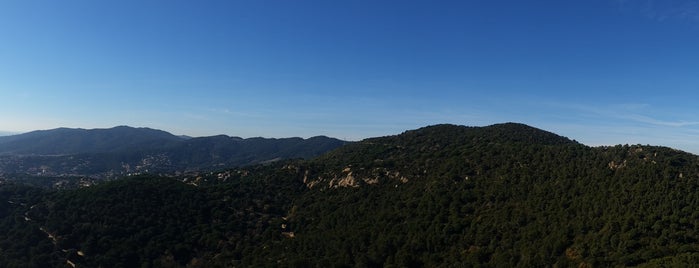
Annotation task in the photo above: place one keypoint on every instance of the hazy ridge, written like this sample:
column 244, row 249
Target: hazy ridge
column 118, row 151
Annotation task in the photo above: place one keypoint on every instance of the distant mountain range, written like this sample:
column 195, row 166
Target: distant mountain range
column 127, row 150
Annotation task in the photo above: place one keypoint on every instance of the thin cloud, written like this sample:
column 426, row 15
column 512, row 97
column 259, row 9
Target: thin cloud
column 630, row 112
column 662, row 10
column 229, row 112
column 220, row 110
column 634, row 123
column 654, row 121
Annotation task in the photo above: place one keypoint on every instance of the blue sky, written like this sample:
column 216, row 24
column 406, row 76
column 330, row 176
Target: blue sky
column 598, row 71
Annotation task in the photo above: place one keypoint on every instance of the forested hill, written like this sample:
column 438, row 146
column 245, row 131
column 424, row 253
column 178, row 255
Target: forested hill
column 443, row 151
column 506, row 195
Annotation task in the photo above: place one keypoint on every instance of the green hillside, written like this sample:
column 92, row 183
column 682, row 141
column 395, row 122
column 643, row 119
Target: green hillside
column 506, row 195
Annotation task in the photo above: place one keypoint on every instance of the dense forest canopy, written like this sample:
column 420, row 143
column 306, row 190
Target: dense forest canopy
column 506, row 195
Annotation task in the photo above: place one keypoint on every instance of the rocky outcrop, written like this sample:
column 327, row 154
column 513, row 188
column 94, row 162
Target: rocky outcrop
column 351, row 178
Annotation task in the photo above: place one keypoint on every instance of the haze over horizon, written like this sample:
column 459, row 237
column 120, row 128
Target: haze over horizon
column 602, row 72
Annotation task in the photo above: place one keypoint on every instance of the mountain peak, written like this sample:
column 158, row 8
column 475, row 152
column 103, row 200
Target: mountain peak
column 503, row 132
column 519, row 132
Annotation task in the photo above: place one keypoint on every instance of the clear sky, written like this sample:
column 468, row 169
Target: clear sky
column 598, row 71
